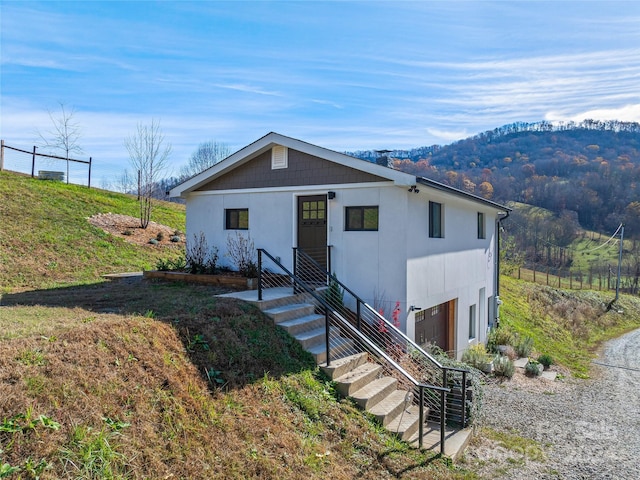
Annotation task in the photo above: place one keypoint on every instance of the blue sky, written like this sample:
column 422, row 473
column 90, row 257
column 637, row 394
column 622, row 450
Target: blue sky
column 343, row 75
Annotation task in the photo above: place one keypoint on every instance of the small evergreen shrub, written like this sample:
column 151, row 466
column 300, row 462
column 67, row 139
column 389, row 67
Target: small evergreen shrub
column 163, row 265
column 175, row 238
column 500, row 336
column 524, row 347
column 153, row 241
column 334, row 294
column 128, row 232
column 533, row 368
column 160, row 236
column 476, row 356
column 546, row 360
column 503, row 366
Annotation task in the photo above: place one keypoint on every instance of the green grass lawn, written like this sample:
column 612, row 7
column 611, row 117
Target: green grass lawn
column 46, row 239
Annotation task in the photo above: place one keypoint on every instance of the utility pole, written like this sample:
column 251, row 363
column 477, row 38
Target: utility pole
column 619, row 260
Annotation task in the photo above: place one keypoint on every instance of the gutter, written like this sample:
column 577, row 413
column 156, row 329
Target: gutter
column 502, row 216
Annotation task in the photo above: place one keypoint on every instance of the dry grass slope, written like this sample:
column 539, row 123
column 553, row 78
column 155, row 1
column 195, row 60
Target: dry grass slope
column 167, row 381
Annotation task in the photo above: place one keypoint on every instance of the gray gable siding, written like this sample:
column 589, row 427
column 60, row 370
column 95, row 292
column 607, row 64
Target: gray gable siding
column 303, row 169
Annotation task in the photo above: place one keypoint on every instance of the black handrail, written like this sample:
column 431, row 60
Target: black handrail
column 388, row 325
column 371, row 346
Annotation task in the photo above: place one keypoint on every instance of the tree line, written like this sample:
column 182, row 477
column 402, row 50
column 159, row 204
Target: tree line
column 591, row 168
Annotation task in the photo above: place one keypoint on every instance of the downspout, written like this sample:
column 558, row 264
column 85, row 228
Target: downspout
column 496, row 273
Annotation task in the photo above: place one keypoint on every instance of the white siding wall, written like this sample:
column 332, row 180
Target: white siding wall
column 456, row 267
column 398, row 263
column 270, row 221
column 372, row 264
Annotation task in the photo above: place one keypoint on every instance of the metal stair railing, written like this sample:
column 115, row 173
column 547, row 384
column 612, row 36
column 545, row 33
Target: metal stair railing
column 273, row 275
column 413, row 358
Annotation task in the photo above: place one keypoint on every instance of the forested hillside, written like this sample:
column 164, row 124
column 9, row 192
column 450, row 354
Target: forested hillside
column 588, row 171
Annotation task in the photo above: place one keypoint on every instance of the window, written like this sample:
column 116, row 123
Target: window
column 361, row 218
column 435, row 220
column 315, row 210
column 472, row 322
column 481, row 227
column 236, row 219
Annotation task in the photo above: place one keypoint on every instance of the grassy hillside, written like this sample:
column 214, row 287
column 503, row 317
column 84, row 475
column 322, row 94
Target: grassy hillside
column 168, row 381
column 45, row 238
column 103, row 380
column 569, row 325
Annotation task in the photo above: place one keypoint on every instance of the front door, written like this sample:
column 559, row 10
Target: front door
column 432, row 326
column 312, row 228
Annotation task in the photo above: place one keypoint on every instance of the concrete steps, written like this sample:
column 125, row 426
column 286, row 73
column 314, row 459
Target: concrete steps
column 356, row 377
column 307, row 327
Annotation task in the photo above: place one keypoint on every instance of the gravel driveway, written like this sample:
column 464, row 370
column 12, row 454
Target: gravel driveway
column 588, row 429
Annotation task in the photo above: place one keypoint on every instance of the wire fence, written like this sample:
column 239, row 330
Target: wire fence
column 596, row 278
column 45, row 166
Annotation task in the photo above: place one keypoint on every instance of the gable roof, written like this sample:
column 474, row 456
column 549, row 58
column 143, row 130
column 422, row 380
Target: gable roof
column 270, row 140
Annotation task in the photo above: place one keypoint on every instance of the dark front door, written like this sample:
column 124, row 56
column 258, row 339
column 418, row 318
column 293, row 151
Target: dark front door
column 312, row 228
column 432, row 326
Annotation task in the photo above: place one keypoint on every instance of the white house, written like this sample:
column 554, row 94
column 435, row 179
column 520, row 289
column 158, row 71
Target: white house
column 393, row 237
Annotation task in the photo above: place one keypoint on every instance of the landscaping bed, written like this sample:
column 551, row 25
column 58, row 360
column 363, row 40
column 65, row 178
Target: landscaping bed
column 229, row 280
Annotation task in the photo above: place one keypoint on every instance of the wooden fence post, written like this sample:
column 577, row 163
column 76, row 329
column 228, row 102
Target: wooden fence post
column 1, row 155
column 33, row 162
column 89, row 181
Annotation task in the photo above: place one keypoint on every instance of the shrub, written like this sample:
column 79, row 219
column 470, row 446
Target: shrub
column 200, row 258
column 524, row 347
column 160, row 236
column 533, row 368
column 503, row 366
column 476, row 356
column 335, row 294
column 241, row 251
column 510, row 353
column 153, row 241
column 546, row 360
column 128, row 232
column 163, row 265
column 175, row 238
column 499, row 336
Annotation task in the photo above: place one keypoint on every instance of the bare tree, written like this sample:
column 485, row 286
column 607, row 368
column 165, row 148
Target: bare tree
column 208, row 154
column 64, row 135
column 148, row 156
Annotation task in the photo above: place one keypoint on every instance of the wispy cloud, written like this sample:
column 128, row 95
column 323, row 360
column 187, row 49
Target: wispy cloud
column 345, row 75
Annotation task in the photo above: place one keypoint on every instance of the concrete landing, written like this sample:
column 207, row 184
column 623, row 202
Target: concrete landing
column 455, row 441
column 126, row 277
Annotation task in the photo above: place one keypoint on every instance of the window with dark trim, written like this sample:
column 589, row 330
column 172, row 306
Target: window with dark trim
column 435, row 220
column 361, row 218
column 472, row 322
column 236, row 219
column 481, row 227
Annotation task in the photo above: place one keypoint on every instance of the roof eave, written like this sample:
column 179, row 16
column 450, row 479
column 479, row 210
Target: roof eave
column 461, row 193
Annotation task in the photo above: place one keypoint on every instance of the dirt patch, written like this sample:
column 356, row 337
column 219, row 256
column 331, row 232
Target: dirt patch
column 128, row 228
